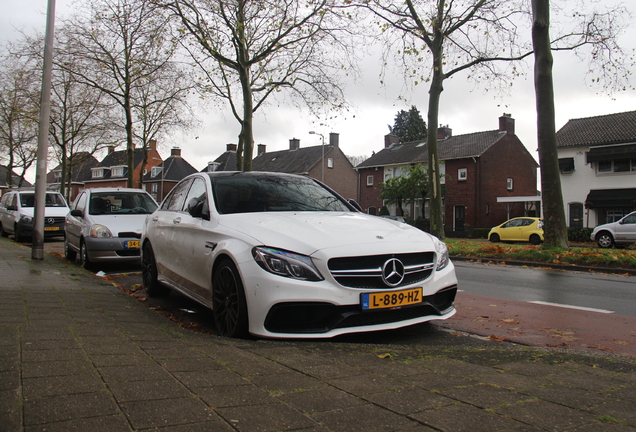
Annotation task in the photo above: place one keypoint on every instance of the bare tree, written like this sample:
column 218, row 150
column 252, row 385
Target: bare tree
column 19, row 108
column 249, row 51
column 161, row 105
column 125, row 41
column 484, row 38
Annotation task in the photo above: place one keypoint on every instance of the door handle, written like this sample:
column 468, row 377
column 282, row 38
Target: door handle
column 176, row 220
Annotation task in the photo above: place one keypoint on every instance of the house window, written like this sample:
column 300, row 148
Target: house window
column 154, row 188
column 329, row 162
column 509, row 183
column 462, row 174
column 370, row 180
column 616, row 165
column 117, row 172
column 97, row 172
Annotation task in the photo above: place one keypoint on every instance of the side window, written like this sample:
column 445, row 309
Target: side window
column 80, row 202
column 631, row 219
column 176, row 199
column 198, row 191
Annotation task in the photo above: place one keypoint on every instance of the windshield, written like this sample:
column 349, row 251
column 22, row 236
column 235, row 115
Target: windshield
column 52, row 200
column 121, row 202
column 238, row 194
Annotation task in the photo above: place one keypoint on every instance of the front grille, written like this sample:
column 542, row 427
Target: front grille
column 56, row 220
column 129, row 234
column 322, row 317
column 366, row 271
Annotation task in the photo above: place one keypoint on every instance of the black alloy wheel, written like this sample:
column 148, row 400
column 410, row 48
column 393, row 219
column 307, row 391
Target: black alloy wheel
column 228, row 301
column 149, row 273
column 535, row 239
column 494, row 238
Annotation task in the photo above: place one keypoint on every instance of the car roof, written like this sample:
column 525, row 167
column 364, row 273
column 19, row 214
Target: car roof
column 115, row 189
column 219, row 174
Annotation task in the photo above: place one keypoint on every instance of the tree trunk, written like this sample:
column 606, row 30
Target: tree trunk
column 434, row 94
column 555, row 229
column 130, row 145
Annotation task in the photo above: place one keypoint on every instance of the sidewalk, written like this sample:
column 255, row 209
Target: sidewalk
column 77, row 354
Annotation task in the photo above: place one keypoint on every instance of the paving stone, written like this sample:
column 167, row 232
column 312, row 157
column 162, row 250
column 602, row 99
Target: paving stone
column 68, row 407
column 95, row 424
column 467, row 418
column 546, row 415
column 147, row 390
column 368, row 418
column 210, row 378
column 265, row 418
column 167, row 412
column 319, row 400
column 61, row 385
column 410, row 400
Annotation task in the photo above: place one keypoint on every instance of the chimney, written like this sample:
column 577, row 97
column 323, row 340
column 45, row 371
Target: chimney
column 175, row 152
column 111, row 149
column 507, row 124
column 444, row 132
column 152, row 145
column 262, row 148
column 294, row 144
column 390, row 140
column 334, row 139
column 231, row 147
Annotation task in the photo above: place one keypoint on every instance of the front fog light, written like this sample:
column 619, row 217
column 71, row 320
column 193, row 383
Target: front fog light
column 287, row 264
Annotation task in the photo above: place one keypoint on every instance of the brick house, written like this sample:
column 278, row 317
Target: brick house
column 326, row 163
column 160, row 180
column 81, row 164
column 112, row 171
column 597, row 161
column 225, row 162
column 487, row 177
column 16, row 180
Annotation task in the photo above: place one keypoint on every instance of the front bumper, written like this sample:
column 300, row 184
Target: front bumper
column 55, row 229
column 285, row 308
column 112, row 249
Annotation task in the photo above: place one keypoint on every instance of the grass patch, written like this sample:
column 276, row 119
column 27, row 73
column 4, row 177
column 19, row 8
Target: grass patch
column 595, row 257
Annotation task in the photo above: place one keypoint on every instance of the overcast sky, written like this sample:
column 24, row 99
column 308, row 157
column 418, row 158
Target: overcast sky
column 464, row 107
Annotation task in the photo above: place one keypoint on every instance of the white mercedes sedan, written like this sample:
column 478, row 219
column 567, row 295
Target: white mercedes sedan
column 283, row 256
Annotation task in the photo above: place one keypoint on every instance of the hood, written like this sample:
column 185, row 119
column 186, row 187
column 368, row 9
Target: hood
column 48, row 211
column 308, row 232
column 120, row 223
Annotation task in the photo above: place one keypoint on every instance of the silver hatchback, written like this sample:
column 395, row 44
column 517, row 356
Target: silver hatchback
column 104, row 225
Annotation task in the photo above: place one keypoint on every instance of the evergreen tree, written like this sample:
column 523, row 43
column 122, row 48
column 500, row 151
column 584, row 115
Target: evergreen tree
column 409, row 125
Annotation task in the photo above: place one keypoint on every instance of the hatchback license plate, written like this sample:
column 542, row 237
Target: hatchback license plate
column 395, row 299
column 132, row 244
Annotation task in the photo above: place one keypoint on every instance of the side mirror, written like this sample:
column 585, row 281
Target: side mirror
column 198, row 208
column 11, row 208
column 355, row 204
column 77, row 213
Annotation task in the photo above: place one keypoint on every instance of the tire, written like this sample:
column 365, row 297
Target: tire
column 69, row 253
column 494, row 238
column 605, row 240
column 228, row 301
column 535, row 239
column 149, row 280
column 84, row 260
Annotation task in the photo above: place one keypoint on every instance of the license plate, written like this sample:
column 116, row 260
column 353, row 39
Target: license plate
column 131, row 244
column 392, row 299
column 51, row 228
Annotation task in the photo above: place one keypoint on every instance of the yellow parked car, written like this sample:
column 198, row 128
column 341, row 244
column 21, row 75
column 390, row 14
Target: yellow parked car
column 523, row 229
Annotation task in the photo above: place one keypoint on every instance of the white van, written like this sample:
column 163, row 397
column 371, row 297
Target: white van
column 16, row 215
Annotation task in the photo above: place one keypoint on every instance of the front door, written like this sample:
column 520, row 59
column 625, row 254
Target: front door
column 576, row 215
column 460, row 215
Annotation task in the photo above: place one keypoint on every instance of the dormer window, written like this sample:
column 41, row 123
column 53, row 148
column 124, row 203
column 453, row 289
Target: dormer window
column 117, row 171
column 97, row 172
column 155, row 171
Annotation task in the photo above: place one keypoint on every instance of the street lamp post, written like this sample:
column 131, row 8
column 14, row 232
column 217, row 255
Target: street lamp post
column 322, row 137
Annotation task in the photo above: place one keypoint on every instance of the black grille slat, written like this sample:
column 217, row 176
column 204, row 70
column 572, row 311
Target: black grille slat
column 366, row 271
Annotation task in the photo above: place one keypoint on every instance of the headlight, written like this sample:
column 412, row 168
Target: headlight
column 100, row 231
column 442, row 254
column 26, row 219
column 286, row 264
